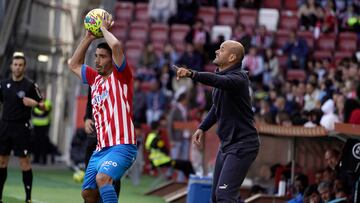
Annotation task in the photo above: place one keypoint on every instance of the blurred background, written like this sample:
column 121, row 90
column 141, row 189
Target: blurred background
column 303, row 59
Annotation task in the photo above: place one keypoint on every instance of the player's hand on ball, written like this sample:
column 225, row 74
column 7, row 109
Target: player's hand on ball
column 89, row 35
column 197, row 137
column 107, row 21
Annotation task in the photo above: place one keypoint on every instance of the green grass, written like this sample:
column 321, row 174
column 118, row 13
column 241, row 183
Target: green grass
column 57, row 186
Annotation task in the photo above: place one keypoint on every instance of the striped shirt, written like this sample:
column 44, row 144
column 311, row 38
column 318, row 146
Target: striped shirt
column 111, row 105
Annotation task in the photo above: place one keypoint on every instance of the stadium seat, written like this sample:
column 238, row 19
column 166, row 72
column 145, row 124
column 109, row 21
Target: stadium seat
column 289, row 20
column 139, row 31
column 141, row 12
column 133, row 50
column 347, row 45
column 124, row 11
column 342, row 55
column 269, row 18
column 178, row 32
column 281, row 38
column 227, row 16
column 120, row 29
column 290, row 5
column 272, row 4
column 326, row 42
column 282, row 61
column 308, row 36
column 207, row 14
column 348, row 35
column 321, row 55
column 247, row 17
column 159, row 32
column 158, row 47
column 295, row 75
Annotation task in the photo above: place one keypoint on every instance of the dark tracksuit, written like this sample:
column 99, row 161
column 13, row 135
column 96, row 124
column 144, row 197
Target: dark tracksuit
column 239, row 140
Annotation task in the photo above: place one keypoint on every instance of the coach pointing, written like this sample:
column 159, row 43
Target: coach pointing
column 231, row 109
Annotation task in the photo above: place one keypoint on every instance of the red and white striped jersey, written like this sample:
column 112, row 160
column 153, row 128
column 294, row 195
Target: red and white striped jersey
column 111, row 105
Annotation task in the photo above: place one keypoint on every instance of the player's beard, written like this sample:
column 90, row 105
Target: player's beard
column 100, row 69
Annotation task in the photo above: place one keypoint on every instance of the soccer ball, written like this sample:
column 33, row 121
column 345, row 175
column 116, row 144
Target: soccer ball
column 78, row 176
column 93, row 21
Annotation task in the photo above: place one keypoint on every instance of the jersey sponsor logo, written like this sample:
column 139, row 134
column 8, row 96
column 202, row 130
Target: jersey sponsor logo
column 109, row 163
column 99, row 98
column 20, row 94
column 356, row 151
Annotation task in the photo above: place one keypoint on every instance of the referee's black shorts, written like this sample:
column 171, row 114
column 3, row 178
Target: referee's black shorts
column 15, row 136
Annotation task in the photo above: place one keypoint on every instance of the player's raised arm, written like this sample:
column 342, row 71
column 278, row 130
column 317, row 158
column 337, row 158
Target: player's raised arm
column 78, row 57
column 114, row 43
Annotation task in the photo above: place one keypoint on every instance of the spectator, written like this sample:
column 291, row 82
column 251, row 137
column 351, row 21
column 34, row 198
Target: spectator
column 191, row 58
column 169, row 55
column 329, row 118
column 226, row 3
column 311, row 98
column 297, row 50
column 311, row 195
column 329, row 21
column 262, row 39
column 326, row 191
column 301, row 183
column 148, row 58
column 272, row 74
column 162, row 10
column 349, row 19
column 255, row 64
column 198, row 36
column 139, row 104
column 242, row 36
column 309, row 13
column 155, row 102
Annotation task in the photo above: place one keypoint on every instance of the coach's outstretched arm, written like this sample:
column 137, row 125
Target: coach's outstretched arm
column 78, row 57
column 114, row 43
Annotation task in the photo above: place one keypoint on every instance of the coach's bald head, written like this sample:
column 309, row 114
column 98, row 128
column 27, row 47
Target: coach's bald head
column 230, row 53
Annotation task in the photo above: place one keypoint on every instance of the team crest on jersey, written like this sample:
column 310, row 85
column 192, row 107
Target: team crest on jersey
column 100, row 97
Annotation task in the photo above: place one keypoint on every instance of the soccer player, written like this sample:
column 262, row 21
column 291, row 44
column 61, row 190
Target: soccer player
column 111, row 90
column 18, row 95
column 232, row 111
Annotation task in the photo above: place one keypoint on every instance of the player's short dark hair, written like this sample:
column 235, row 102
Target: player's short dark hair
column 18, row 57
column 104, row 45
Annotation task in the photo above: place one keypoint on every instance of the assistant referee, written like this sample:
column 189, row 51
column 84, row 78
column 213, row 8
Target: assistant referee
column 18, row 95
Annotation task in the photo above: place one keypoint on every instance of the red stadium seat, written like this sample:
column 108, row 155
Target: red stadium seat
column 178, row 32
column 124, row 11
column 282, row 61
column 120, row 29
column 227, row 16
column 291, row 5
column 282, row 37
column 321, row 55
column 348, row 35
column 141, row 12
column 326, row 42
column 272, row 4
column 289, row 20
column 158, row 47
column 247, row 17
column 207, row 14
column 159, row 32
column 342, row 55
column 347, row 45
column 295, row 75
column 133, row 50
column 139, row 31
column 308, row 36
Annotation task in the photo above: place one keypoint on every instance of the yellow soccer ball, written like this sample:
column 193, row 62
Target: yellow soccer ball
column 93, row 21
column 78, row 176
